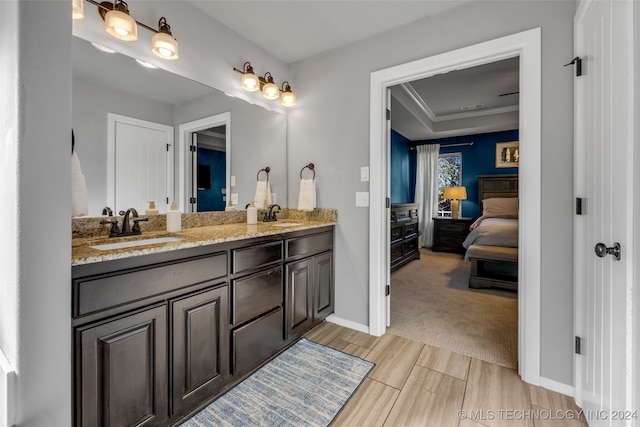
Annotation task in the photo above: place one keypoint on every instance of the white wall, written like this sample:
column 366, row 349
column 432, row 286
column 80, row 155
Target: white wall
column 330, row 127
column 91, row 105
column 35, row 304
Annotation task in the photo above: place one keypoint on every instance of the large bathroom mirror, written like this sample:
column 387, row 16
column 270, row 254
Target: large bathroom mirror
column 134, row 127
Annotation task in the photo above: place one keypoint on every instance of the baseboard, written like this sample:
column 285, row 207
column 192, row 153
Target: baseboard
column 347, row 323
column 7, row 392
column 556, row 386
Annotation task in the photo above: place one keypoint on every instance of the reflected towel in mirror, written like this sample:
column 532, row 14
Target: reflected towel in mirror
column 307, row 196
column 262, row 199
column 79, row 197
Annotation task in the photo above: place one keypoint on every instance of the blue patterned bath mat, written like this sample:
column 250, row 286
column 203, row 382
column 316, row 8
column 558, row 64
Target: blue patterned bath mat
column 306, row 385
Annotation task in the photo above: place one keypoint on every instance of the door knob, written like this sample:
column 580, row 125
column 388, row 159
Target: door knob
column 602, row 250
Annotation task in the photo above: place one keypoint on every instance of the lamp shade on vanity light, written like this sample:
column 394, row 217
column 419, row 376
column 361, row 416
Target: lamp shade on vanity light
column 119, row 24
column 270, row 89
column 455, row 194
column 162, row 43
column 78, row 9
column 288, row 98
column 249, row 81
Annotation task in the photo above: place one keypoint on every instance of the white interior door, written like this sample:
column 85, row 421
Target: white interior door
column 388, row 207
column 604, row 181
column 140, row 164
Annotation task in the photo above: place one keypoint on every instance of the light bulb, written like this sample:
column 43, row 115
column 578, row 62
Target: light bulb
column 270, row 91
column 164, row 45
column 121, row 25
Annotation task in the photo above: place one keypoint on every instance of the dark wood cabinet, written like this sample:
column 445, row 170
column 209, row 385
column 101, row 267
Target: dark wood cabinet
column 309, row 283
column 200, row 347
column 404, row 232
column 158, row 336
column 121, row 370
column 449, row 233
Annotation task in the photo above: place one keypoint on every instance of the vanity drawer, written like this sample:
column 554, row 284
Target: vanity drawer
column 253, row 257
column 96, row 293
column 309, row 245
column 254, row 295
column 255, row 342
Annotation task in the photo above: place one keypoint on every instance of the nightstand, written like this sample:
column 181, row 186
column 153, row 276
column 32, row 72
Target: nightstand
column 448, row 234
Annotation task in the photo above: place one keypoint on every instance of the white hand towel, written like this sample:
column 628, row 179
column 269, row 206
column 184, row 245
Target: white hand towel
column 262, row 199
column 307, row 196
column 79, row 197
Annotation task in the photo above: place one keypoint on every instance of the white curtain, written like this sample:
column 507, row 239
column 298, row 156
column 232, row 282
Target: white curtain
column 427, row 189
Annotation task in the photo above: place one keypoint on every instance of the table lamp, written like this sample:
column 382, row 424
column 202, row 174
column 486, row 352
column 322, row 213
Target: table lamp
column 455, row 194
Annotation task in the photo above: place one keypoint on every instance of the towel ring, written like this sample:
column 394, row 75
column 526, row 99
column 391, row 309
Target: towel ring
column 265, row 170
column 311, row 167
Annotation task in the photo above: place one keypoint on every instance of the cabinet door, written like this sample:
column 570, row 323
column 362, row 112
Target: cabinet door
column 122, row 378
column 323, row 286
column 299, row 284
column 200, row 347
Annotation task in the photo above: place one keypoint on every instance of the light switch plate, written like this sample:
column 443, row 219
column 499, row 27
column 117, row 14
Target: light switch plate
column 234, row 198
column 233, row 181
column 362, row 199
column 364, row 174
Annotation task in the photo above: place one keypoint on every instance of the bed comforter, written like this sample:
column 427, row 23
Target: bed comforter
column 493, row 232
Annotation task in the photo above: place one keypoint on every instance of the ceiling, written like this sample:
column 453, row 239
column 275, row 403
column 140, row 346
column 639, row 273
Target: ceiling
column 296, row 29
column 463, row 102
column 292, row 30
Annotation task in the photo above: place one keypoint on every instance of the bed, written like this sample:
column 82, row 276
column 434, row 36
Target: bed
column 492, row 244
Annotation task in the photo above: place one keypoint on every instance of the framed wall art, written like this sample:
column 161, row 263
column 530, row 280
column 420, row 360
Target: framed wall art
column 508, row 154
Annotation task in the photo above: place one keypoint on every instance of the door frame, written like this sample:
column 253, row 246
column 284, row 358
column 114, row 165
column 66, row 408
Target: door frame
column 526, row 45
column 112, row 121
column 184, row 170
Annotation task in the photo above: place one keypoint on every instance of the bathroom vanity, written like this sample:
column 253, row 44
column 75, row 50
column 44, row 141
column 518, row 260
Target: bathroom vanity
column 159, row 334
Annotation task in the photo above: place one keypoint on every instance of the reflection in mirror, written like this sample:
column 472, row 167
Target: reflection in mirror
column 113, row 83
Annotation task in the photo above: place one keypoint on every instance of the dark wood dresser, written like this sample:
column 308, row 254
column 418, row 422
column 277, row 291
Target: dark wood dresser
column 449, row 233
column 404, row 234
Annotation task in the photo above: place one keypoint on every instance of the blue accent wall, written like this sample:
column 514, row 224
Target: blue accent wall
column 478, row 159
column 212, row 199
column 402, row 170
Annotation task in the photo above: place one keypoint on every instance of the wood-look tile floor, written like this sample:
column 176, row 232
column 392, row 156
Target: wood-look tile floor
column 414, row 384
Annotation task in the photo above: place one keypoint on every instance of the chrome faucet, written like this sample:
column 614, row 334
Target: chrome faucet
column 271, row 215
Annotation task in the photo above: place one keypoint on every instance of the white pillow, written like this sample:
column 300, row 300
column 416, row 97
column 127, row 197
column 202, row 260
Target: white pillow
column 502, row 207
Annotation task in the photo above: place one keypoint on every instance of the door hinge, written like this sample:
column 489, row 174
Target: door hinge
column 167, row 200
column 387, row 290
column 192, row 148
column 192, row 200
column 388, row 114
column 388, row 203
column 577, row 346
column 578, row 206
column 168, row 145
column 578, row 62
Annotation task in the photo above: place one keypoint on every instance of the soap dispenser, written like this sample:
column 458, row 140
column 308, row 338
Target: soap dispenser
column 174, row 219
column 252, row 214
column 152, row 210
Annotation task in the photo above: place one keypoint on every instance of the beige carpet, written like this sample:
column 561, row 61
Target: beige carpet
column 432, row 303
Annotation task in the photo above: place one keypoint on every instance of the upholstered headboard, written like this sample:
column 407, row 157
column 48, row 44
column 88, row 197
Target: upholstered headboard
column 490, row 186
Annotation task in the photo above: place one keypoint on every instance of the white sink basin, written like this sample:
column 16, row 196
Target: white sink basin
column 134, row 243
column 285, row 224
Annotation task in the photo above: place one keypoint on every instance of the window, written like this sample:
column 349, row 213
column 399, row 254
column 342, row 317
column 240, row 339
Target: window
column 450, row 170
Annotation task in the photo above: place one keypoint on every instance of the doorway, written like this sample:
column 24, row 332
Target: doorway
column 217, row 131
column 527, row 46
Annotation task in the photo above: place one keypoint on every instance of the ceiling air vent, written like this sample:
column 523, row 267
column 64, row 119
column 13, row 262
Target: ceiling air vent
column 472, row 107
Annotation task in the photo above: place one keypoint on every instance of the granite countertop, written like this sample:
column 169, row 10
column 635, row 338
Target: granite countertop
column 82, row 253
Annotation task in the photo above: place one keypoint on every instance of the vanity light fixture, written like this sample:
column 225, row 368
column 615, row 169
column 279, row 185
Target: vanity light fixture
column 121, row 25
column 269, row 89
column 78, row 9
column 251, row 83
column 288, row 98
